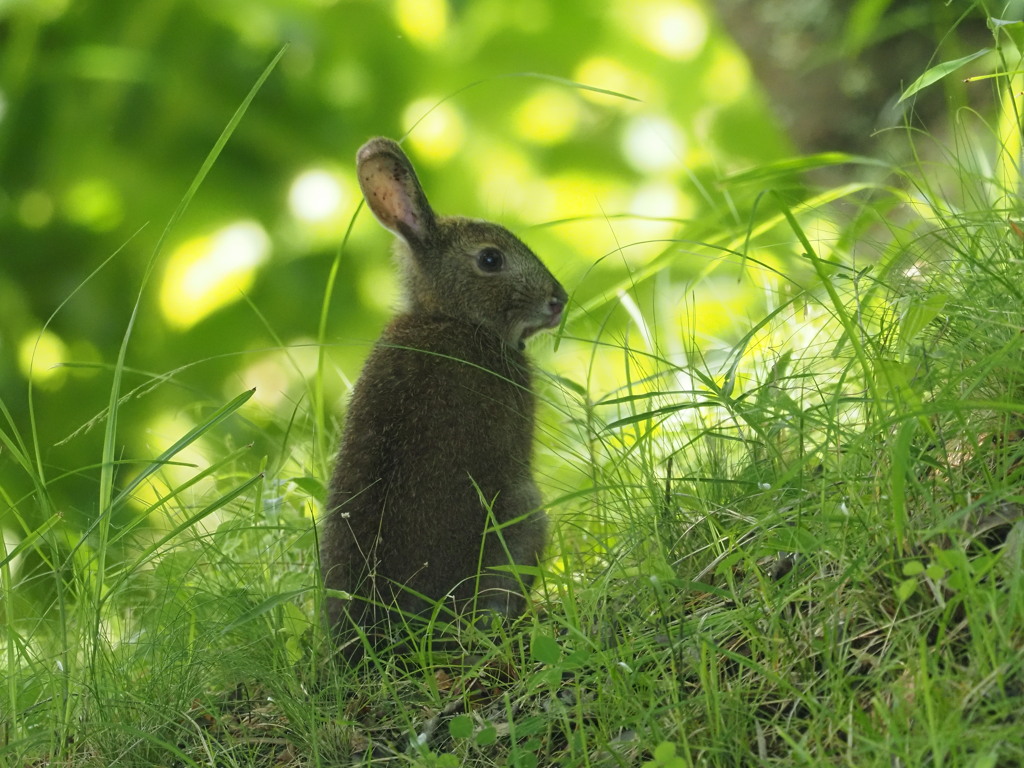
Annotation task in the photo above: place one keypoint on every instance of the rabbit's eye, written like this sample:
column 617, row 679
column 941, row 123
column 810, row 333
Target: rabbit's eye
column 490, row 260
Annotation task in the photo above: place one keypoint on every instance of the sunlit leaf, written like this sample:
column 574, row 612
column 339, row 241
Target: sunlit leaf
column 940, row 71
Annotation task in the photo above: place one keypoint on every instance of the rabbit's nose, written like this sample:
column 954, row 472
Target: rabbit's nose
column 555, row 305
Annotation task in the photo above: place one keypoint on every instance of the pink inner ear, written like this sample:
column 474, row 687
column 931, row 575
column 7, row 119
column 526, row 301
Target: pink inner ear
column 386, row 186
column 405, row 212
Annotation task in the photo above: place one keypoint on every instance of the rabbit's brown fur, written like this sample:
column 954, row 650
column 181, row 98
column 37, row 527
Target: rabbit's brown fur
column 437, row 441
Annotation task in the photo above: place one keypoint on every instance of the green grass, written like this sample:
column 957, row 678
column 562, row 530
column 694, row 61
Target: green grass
column 803, row 547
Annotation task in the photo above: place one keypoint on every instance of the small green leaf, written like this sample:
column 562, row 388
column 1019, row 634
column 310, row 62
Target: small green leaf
column 461, row 727
column 664, row 752
column 545, row 649
column 952, row 559
column 579, row 389
column 725, row 565
column 940, row 71
column 295, row 622
column 935, row 571
column 578, row 658
column 905, row 589
column 529, row 726
column 486, row 736
column 259, row 610
column 913, row 568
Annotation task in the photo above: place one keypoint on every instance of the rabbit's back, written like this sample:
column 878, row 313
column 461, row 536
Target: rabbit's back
column 439, row 429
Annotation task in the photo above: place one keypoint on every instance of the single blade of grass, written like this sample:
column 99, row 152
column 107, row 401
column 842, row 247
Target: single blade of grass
column 801, row 164
column 656, row 414
column 264, row 607
column 940, row 71
column 571, row 84
column 321, row 447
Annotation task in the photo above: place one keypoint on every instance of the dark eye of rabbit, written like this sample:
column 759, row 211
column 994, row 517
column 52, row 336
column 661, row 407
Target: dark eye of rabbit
column 490, row 260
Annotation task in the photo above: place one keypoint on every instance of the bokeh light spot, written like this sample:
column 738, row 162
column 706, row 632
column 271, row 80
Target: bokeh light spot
column 439, row 129
column 507, row 185
column 661, row 200
column 658, row 206
column 207, row 273
column 549, row 115
column 269, row 376
column 676, row 30
column 40, row 356
column 94, row 204
column 568, row 196
column 423, row 21
column 654, row 144
column 347, row 83
column 728, row 76
column 316, row 196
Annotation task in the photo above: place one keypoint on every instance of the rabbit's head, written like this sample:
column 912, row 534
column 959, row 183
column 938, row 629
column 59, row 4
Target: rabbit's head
column 457, row 267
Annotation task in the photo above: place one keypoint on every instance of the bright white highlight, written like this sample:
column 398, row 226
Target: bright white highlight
column 316, row 196
column 653, row 144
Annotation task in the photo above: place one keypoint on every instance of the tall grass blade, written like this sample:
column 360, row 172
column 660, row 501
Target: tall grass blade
column 110, row 433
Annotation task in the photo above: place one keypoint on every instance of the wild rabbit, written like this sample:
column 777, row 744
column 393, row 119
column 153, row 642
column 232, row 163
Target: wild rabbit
column 432, row 489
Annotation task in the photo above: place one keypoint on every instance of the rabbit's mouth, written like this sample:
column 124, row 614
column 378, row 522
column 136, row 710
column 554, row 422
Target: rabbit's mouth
column 552, row 317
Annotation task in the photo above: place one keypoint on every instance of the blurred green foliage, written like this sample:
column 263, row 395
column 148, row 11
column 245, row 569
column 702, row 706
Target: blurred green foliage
column 107, row 110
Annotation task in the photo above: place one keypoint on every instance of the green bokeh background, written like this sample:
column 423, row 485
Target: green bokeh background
column 108, row 109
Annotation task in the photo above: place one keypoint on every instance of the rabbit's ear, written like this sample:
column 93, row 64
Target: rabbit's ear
column 393, row 192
